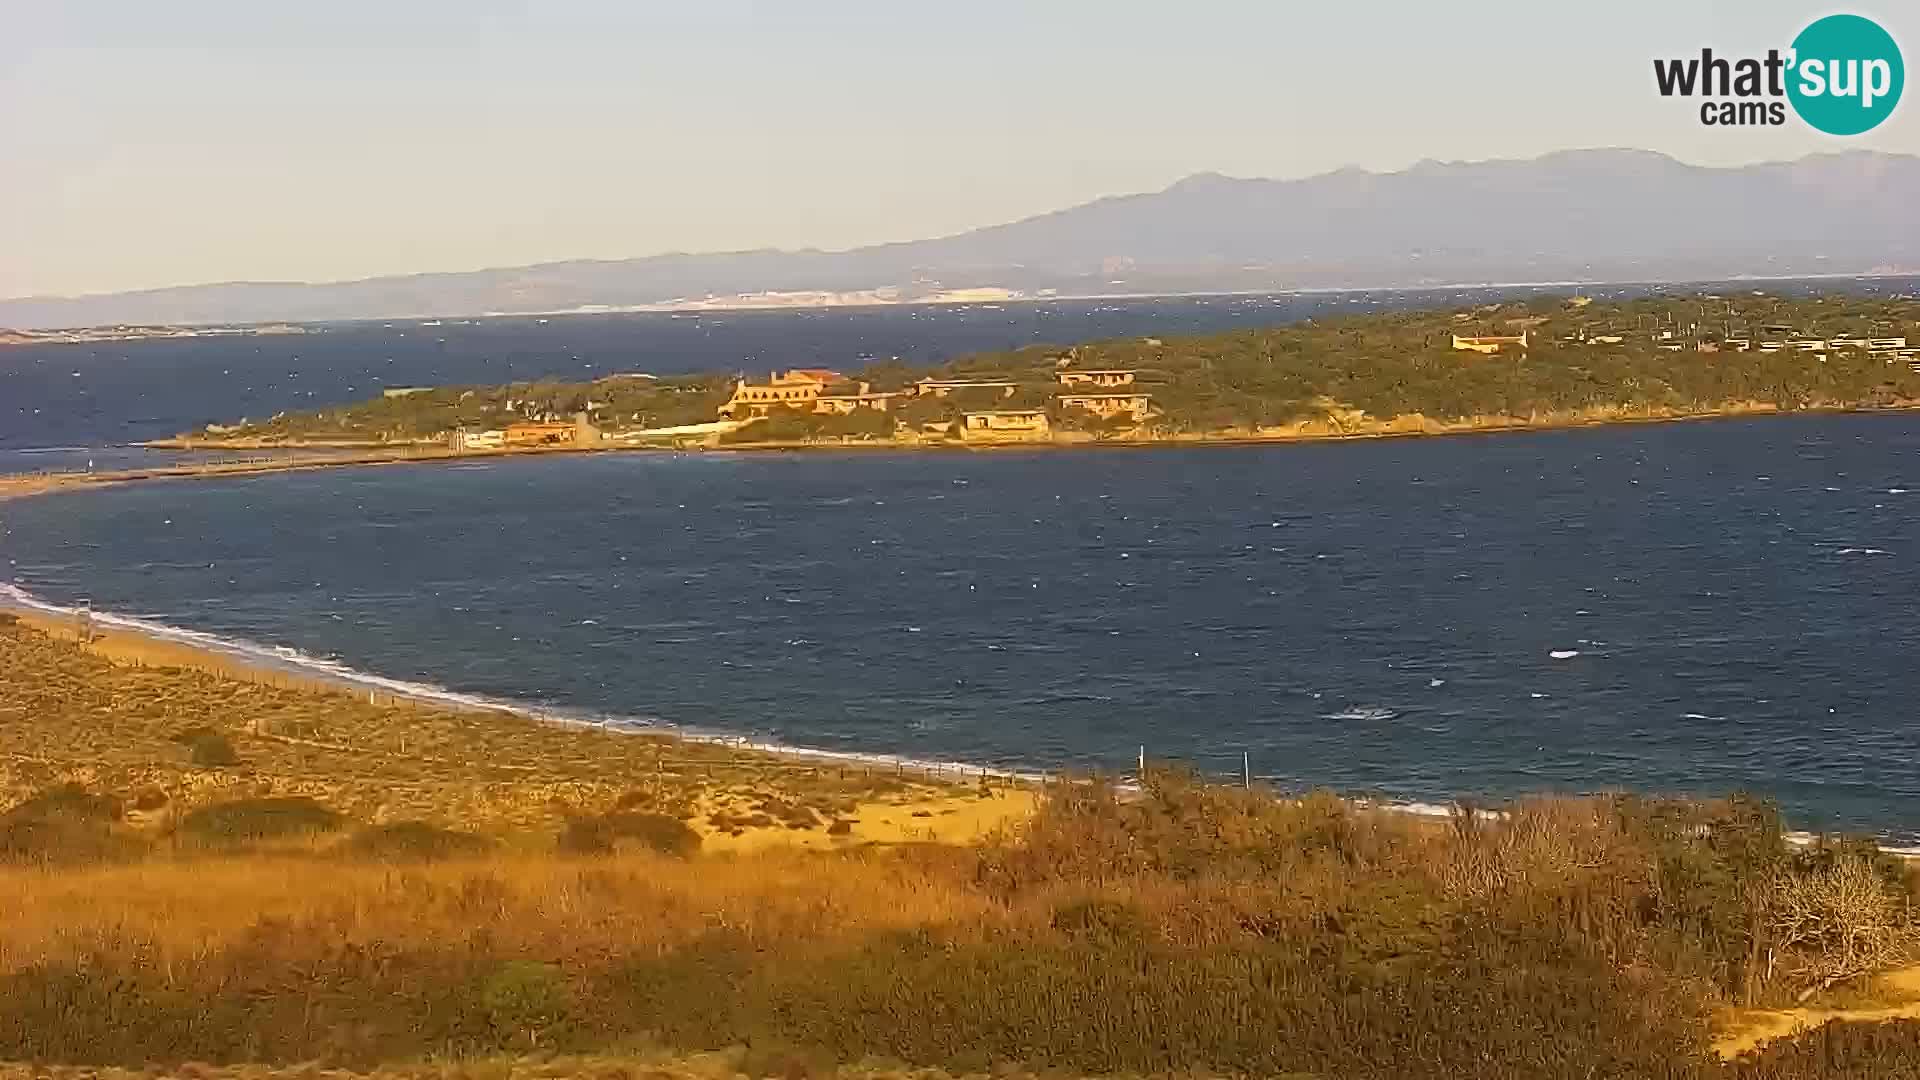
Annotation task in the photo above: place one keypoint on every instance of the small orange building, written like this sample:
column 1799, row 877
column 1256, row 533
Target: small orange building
column 552, row 433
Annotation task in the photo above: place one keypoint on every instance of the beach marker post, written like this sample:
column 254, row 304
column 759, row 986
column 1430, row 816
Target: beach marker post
column 1246, row 770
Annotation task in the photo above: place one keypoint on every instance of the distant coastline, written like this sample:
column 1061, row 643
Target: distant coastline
column 885, row 297
column 92, row 334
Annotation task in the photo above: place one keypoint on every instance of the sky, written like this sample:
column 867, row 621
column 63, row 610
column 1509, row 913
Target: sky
column 148, row 144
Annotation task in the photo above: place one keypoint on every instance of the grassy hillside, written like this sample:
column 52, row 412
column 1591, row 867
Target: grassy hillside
column 199, row 869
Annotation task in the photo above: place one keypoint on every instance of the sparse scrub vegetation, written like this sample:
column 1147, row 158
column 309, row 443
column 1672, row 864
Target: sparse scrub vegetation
column 246, row 820
column 65, row 824
column 208, row 748
column 603, row 835
column 68, row 713
column 1189, row 928
column 404, row 841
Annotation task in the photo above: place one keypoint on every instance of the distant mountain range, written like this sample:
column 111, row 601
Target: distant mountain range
column 1579, row 215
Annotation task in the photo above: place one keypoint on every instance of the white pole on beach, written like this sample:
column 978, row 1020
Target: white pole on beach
column 1142, row 774
column 1246, row 770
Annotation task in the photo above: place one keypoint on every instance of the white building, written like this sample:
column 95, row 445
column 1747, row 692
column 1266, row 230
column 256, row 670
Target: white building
column 463, row 441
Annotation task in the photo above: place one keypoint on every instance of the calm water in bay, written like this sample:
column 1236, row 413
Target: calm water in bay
column 1690, row 607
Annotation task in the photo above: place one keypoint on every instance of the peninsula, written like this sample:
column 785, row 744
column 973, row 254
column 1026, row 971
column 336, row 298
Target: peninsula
column 1548, row 362
column 90, row 334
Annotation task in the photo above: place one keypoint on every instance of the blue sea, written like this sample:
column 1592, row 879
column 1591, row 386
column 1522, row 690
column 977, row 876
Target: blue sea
column 1698, row 607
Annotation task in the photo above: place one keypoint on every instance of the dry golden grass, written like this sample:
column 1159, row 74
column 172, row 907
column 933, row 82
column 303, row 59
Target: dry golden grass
column 182, row 912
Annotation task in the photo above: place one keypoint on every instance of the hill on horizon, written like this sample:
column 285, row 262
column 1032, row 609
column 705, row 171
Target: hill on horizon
column 1576, row 215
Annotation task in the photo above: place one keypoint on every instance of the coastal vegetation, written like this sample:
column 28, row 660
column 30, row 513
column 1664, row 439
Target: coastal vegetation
column 408, row 891
column 1376, row 373
column 162, row 755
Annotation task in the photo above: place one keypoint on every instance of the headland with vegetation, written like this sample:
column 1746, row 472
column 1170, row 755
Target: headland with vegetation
column 1547, row 362
column 217, row 871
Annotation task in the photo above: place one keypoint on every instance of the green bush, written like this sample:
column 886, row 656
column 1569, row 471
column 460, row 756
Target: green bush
column 260, row 819
column 525, row 1001
column 414, row 841
column 70, row 802
column 43, row 840
column 602, row 835
column 66, row 824
column 1100, row 920
column 208, row 748
column 1494, row 1010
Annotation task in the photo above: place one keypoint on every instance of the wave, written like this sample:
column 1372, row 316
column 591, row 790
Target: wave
column 1362, row 712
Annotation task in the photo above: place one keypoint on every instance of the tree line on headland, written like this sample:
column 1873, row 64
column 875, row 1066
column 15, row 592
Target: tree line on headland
column 1386, row 372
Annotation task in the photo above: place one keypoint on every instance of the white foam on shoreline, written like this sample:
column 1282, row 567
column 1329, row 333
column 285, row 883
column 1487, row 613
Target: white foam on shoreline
column 291, row 661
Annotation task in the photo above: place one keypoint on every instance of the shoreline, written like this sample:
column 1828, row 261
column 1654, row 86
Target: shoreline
column 128, row 641
column 684, row 307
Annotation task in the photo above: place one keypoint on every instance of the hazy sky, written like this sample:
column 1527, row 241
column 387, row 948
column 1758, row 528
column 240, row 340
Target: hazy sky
column 157, row 142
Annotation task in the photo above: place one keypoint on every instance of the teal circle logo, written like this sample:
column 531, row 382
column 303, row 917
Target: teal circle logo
column 1846, row 75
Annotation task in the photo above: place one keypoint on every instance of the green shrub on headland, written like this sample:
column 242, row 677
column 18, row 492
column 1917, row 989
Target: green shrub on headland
column 602, row 835
column 404, row 841
column 209, row 748
column 260, row 819
column 66, row 824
